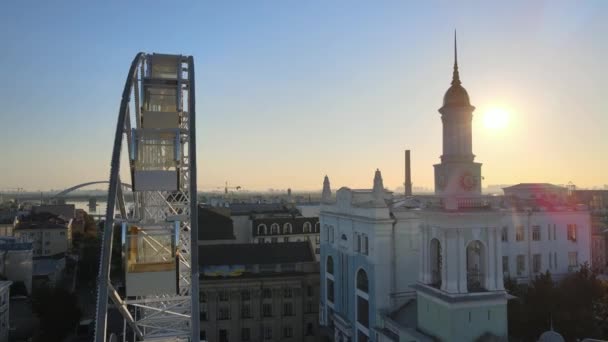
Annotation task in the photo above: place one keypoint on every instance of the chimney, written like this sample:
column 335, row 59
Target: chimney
column 408, row 174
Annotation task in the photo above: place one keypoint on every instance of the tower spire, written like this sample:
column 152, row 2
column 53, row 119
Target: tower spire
column 455, row 75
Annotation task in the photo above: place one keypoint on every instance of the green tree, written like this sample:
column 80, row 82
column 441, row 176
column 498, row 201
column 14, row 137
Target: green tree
column 58, row 312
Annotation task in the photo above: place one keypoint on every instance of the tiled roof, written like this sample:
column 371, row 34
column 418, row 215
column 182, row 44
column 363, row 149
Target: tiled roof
column 252, row 254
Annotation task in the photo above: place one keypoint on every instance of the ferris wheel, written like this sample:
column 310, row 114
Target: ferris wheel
column 155, row 288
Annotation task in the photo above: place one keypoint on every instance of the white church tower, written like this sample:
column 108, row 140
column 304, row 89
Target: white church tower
column 460, row 293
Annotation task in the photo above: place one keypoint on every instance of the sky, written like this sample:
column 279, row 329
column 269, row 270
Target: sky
column 289, row 91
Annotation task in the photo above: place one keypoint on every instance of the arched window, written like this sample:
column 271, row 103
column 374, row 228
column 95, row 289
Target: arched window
column 329, row 279
column 317, row 226
column 329, row 268
column 287, row 228
column 274, row 228
column 262, row 229
column 362, row 302
column 307, row 227
column 362, row 282
column 476, row 265
column 436, row 263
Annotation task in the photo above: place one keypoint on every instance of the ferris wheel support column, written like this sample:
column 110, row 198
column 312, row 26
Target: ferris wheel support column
column 194, row 280
column 106, row 253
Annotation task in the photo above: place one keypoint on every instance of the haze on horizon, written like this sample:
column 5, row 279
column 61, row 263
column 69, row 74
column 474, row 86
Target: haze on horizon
column 288, row 92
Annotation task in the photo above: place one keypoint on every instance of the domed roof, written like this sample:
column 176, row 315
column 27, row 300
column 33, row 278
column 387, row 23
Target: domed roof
column 456, row 96
column 551, row 336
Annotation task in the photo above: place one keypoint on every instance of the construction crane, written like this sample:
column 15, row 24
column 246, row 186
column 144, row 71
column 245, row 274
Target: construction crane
column 226, row 187
column 158, row 237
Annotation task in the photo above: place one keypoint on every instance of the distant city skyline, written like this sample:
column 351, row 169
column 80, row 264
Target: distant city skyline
column 290, row 92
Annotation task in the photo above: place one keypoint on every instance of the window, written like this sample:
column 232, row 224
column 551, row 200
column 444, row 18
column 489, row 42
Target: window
column 309, row 329
column 330, row 265
column 286, row 239
column 317, row 239
column 310, row 306
column 344, row 237
column 246, row 310
column 317, row 250
column 362, row 311
column 519, row 233
column 572, row 232
column 274, row 240
column 307, row 227
column 288, row 309
column 245, row 334
column 287, row 229
column 260, row 240
column 288, row 292
column 223, row 296
column 521, row 264
column 266, row 293
column 268, row 333
column 203, row 335
column 317, row 225
column 223, row 312
column 536, row 263
column 274, row 228
column 61, row 233
column 361, row 337
column 572, row 259
column 262, row 229
column 223, row 335
column 330, row 290
column 504, row 235
column 203, row 311
column 267, row 310
column 505, row 265
column 554, row 230
column 362, row 298
column 287, row 331
column 535, row 233
column 309, row 291
column 555, row 259
column 245, row 295
column 362, row 283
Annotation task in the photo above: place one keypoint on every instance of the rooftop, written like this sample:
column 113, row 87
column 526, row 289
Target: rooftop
column 256, row 254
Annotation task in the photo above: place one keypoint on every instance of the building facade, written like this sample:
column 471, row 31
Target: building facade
column 286, row 229
column 259, row 292
column 432, row 268
column 16, row 260
column 4, row 309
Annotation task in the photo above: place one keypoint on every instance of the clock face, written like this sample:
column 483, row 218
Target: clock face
column 467, row 181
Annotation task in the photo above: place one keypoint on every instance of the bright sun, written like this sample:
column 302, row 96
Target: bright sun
column 496, row 118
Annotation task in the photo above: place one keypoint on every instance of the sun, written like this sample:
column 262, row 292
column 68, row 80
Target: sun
column 496, row 118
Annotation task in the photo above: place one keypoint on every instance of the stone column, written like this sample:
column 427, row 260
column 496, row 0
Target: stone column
column 490, row 268
column 451, row 258
column 499, row 271
column 462, row 262
column 444, row 263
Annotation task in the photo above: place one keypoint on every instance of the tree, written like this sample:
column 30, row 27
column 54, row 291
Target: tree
column 88, row 261
column 58, row 312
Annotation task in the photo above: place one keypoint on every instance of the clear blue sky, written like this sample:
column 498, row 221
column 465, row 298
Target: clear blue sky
column 288, row 91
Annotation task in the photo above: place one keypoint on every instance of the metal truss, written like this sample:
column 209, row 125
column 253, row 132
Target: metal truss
column 165, row 316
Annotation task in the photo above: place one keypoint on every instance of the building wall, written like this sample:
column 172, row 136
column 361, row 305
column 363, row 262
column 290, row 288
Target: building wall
column 304, row 290
column 556, row 245
column 467, row 321
column 46, row 241
column 4, row 310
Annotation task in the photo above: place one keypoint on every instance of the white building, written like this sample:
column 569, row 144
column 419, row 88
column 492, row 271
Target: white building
column 16, row 260
column 430, row 268
column 48, row 238
column 4, row 309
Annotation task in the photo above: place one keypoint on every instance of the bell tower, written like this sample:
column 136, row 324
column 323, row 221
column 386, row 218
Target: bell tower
column 460, row 293
column 457, row 175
